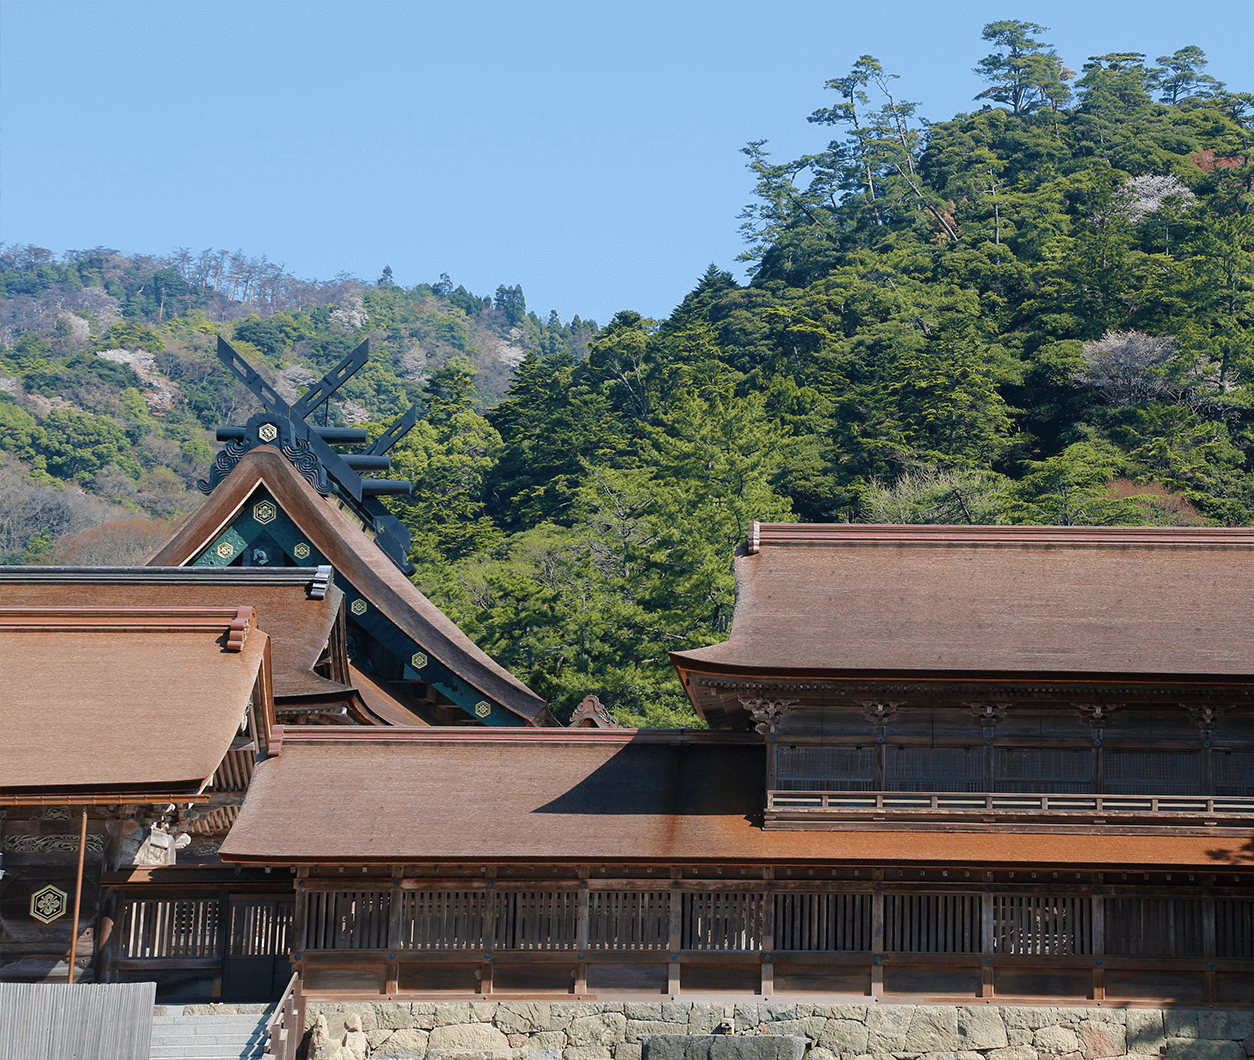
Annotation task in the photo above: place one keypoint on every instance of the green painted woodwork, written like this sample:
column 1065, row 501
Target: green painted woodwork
column 262, row 523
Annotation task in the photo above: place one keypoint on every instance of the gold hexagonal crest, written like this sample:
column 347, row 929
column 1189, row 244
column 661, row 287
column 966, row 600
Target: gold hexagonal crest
column 419, row 660
column 264, row 512
column 483, row 709
column 358, row 607
column 267, row 432
column 225, row 549
column 48, row 903
column 301, row 551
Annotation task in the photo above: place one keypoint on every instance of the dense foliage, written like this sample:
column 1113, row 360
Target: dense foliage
column 1041, row 311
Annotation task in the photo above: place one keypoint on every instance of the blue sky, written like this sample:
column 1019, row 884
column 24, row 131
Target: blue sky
column 589, row 152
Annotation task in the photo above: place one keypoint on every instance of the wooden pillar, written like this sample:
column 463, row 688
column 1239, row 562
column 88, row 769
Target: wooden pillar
column 987, row 982
column 990, row 771
column 767, row 985
column 881, row 743
column 1209, row 943
column 490, row 902
column 1098, row 908
column 877, row 934
column 396, row 911
column 78, row 896
column 583, row 901
column 675, row 933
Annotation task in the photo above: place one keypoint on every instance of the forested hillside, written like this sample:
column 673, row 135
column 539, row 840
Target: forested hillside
column 1038, row 312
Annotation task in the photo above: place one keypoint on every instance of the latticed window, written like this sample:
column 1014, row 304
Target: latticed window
column 934, row 769
column 825, row 769
column 1043, row 770
column 1152, row 772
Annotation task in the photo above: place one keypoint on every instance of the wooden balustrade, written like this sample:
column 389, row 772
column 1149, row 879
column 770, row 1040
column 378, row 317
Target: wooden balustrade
column 769, row 937
column 943, row 809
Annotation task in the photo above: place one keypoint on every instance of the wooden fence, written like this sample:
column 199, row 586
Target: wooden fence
column 608, row 938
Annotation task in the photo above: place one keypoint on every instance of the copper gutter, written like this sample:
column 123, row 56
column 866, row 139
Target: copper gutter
column 143, row 798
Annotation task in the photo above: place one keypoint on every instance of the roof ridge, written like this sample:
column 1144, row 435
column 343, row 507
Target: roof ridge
column 27, row 618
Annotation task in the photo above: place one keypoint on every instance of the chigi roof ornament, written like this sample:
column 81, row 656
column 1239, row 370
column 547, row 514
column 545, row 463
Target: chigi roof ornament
column 309, row 448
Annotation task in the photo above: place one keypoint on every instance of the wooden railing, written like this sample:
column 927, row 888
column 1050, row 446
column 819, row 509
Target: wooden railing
column 762, row 937
column 286, row 1026
column 816, row 806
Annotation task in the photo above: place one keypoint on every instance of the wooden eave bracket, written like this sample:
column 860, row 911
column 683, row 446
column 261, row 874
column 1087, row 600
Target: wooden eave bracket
column 237, row 632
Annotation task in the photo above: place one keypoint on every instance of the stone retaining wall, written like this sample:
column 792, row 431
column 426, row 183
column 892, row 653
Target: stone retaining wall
column 514, row 1030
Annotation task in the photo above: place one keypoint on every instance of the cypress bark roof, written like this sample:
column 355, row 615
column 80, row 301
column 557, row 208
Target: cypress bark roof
column 1078, row 602
column 341, row 540
column 123, row 699
column 350, row 796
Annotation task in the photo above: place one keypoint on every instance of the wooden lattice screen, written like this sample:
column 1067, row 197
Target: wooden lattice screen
column 831, row 922
column 932, row 923
column 171, row 927
column 1042, row 925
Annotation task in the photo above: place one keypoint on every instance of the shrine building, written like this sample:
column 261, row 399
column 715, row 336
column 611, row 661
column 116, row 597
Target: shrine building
column 944, row 764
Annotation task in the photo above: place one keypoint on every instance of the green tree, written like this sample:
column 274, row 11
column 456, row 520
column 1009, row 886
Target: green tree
column 1023, row 74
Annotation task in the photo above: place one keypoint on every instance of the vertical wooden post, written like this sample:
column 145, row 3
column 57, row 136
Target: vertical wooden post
column 78, row 896
column 395, row 914
column 877, row 931
column 986, row 943
column 674, row 933
column 490, row 904
column 989, row 757
column 768, row 940
column 1099, row 943
column 1208, row 764
column 300, row 911
column 582, row 903
column 880, row 755
column 1209, row 941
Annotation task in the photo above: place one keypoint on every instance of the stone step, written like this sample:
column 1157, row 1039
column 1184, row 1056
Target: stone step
column 201, row 1037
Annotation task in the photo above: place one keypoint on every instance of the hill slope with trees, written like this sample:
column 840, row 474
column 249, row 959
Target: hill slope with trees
column 1038, row 312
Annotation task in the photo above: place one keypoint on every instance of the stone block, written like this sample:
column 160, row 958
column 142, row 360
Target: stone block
column 1030, row 1017
column 810, row 1027
column 1012, row 1052
column 1101, row 1039
column 628, row 1051
column 770, row 1011
column 424, row 1014
column 1181, row 1022
column 703, row 1018
column 547, row 1045
column 393, row 1016
column 887, row 1028
column 641, row 1028
column 981, row 1028
column 523, row 1017
column 819, row 1053
column 724, row 1047
column 586, row 1052
column 1201, row 1049
column 483, row 1011
column 407, row 1042
column 462, row 1038
column 453, row 1013
column 1055, row 1041
column 642, row 1010
column 562, row 1012
column 843, row 1036
column 932, row 1029
column 1231, row 1024
column 676, row 1011
column 606, row 1028
column 1145, row 1030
